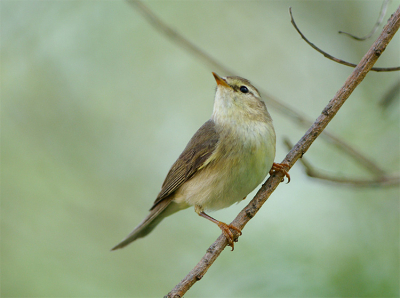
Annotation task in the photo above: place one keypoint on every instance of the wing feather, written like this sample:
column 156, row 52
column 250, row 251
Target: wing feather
column 194, row 156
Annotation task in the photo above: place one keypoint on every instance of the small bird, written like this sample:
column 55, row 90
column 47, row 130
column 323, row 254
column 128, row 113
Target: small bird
column 226, row 159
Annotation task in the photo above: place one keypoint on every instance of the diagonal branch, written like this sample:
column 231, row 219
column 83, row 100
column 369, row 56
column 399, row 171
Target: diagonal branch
column 297, row 152
column 272, row 102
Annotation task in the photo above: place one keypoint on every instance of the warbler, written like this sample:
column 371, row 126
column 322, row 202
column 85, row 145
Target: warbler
column 226, row 159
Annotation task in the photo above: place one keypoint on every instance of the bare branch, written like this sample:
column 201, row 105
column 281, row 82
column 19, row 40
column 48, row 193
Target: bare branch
column 377, row 24
column 281, row 107
column 330, row 57
column 381, row 181
column 298, row 150
column 368, row 164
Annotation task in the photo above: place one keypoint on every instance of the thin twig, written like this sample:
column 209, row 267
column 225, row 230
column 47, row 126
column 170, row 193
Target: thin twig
column 340, row 61
column 377, row 24
column 298, row 150
column 382, row 181
column 284, row 109
column 355, row 154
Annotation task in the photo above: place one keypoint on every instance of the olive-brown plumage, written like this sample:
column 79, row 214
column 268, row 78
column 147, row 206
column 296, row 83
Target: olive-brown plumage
column 223, row 162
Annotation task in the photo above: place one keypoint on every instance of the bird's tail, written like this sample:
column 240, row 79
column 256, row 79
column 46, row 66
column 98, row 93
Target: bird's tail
column 157, row 214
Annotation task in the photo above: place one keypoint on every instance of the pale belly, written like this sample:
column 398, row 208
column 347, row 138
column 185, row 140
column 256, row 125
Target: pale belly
column 229, row 179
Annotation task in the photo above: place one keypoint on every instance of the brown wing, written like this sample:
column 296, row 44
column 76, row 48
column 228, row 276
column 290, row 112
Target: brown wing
column 197, row 151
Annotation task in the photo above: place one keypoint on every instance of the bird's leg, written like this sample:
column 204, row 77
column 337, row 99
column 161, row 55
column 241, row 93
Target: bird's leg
column 224, row 227
column 280, row 167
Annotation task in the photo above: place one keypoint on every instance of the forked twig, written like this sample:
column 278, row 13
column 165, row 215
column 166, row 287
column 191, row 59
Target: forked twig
column 382, row 181
column 330, row 57
column 272, row 102
column 297, row 151
column 377, row 24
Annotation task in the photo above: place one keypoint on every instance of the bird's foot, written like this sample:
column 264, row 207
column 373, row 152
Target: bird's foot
column 282, row 168
column 226, row 230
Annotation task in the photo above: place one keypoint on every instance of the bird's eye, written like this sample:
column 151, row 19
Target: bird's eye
column 244, row 89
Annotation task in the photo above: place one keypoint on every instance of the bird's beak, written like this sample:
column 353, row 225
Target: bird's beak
column 220, row 81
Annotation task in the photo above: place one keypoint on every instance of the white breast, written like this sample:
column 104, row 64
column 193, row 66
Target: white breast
column 234, row 171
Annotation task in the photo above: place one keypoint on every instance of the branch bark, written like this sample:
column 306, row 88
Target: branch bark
column 297, row 152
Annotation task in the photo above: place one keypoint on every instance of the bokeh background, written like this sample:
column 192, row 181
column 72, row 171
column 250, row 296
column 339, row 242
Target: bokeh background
column 97, row 105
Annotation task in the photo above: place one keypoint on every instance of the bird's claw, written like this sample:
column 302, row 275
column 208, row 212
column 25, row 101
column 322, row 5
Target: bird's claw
column 280, row 167
column 226, row 230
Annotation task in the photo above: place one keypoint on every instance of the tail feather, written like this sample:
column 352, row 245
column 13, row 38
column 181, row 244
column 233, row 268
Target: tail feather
column 155, row 216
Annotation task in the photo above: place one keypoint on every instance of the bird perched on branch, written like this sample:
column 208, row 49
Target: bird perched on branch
column 226, row 159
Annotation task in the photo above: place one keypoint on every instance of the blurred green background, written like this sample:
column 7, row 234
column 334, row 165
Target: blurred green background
column 97, row 105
